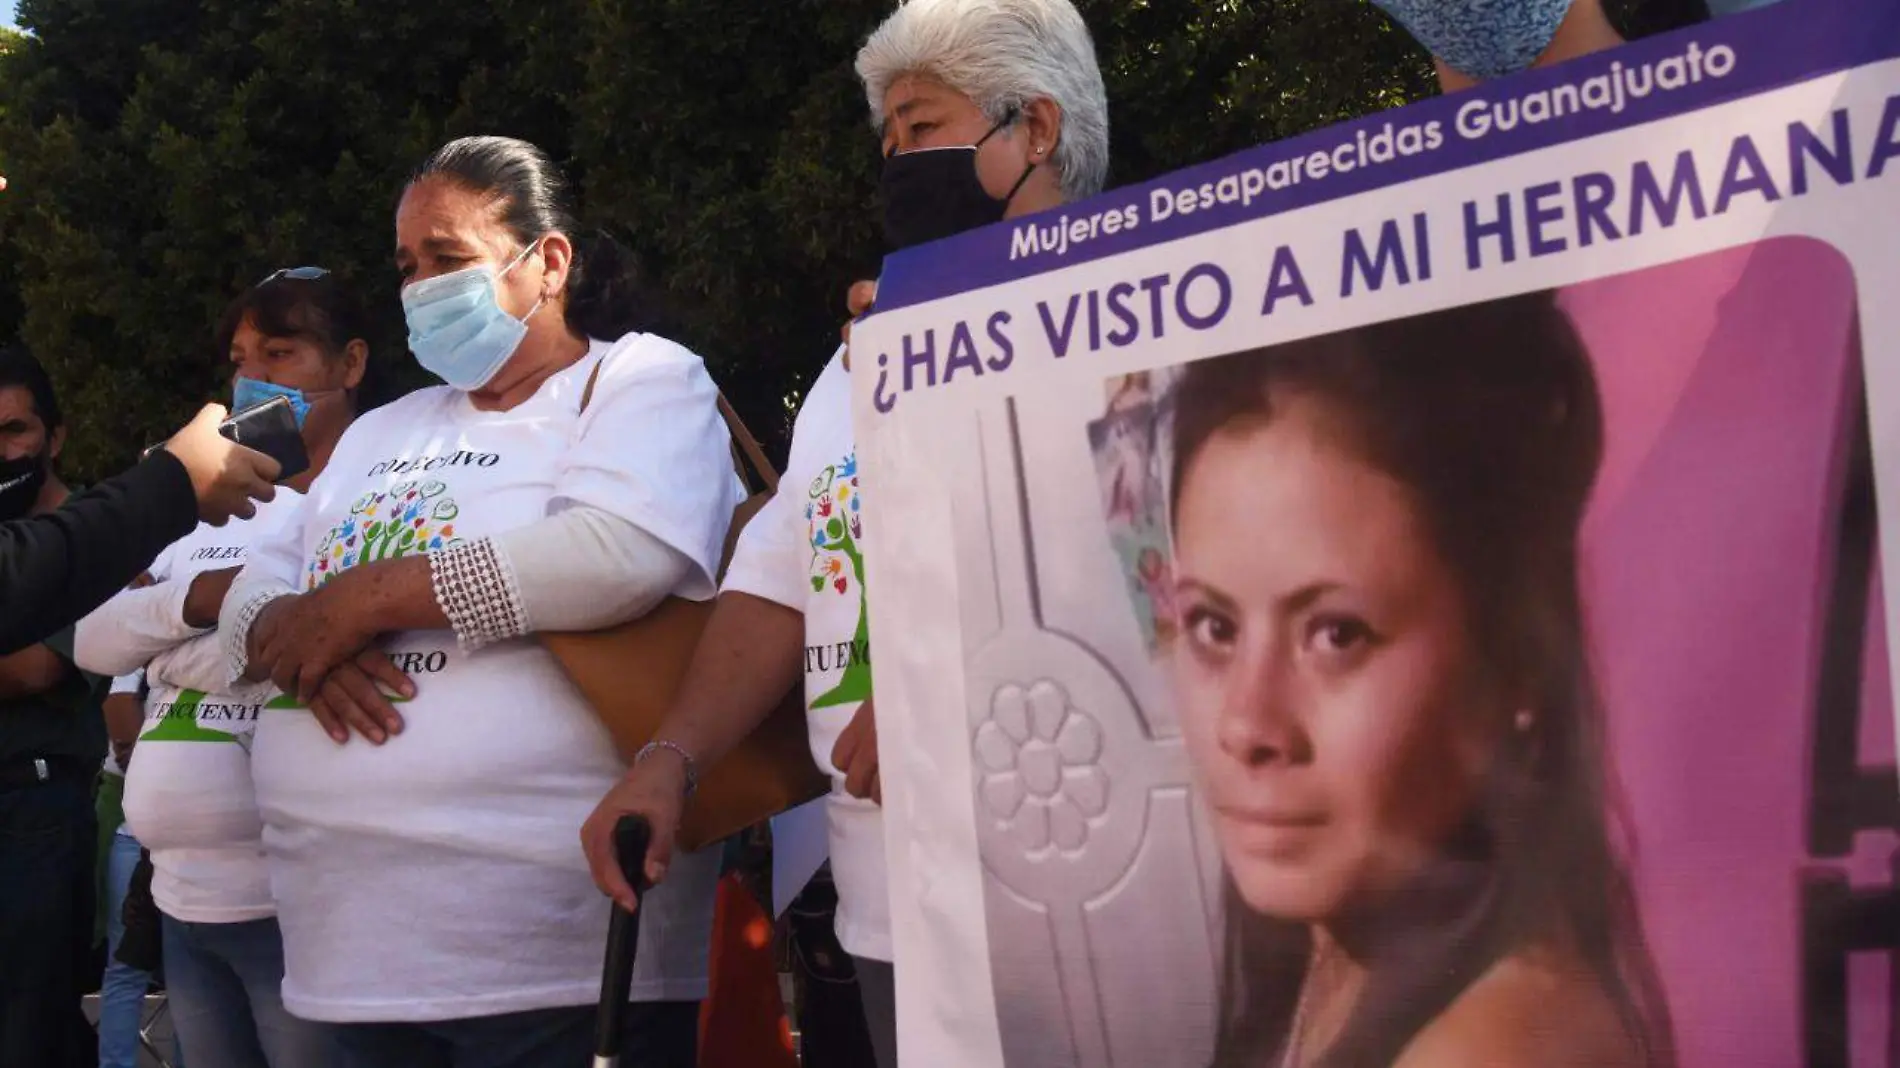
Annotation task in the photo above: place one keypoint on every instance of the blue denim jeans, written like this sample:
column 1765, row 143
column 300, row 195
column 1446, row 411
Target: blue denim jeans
column 48, row 842
column 122, row 995
column 225, row 983
column 657, row 1034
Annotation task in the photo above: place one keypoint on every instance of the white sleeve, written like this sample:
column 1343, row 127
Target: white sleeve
column 584, row 568
column 271, row 569
column 773, row 557
column 128, row 683
column 198, row 664
column 126, row 632
column 652, row 449
column 161, row 569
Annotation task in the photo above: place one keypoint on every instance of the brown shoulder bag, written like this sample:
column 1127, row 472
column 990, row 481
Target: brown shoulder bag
column 631, row 672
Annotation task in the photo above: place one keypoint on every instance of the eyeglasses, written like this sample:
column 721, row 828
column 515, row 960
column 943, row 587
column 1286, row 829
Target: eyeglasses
column 301, row 274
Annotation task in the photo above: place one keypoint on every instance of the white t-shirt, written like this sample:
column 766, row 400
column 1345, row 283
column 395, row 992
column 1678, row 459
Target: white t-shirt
column 188, row 795
column 804, row 550
column 440, row 875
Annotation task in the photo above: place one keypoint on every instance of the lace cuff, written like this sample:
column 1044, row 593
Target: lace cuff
column 237, row 637
column 476, row 588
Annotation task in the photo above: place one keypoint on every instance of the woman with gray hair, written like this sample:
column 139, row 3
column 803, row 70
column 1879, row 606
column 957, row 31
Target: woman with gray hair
column 988, row 109
column 1006, row 97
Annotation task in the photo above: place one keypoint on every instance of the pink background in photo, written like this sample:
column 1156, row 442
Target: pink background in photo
column 1726, row 384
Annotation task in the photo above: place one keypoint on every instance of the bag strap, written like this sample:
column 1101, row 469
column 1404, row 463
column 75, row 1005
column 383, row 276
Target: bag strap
column 743, row 442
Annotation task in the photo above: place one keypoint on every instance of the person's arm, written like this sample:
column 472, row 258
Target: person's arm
column 641, row 507
column 272, row 569
column 269, row 631
column 580, row 570
column 138, row 624
column 125, row 717
column 55, row 568
column 747, row 659
column 750, row 655
column 197, row 664
column 32, row 670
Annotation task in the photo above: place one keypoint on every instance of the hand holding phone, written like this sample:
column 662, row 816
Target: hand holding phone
column 271, row 428
column 224, row 478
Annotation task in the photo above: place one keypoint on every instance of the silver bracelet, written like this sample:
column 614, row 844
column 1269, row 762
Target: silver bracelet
column 686, row 761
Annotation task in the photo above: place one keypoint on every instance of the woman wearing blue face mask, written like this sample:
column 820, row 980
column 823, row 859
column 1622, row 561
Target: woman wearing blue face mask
column 188, row 796
column 1474, row 41
column 570, row 473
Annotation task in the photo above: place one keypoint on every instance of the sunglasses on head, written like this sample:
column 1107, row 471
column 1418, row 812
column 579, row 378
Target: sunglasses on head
column 301, row 274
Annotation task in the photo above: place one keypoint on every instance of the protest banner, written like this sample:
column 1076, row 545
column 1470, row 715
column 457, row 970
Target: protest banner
column 1449, row 542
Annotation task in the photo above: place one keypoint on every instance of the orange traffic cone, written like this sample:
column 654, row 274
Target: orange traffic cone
column 742, row 1023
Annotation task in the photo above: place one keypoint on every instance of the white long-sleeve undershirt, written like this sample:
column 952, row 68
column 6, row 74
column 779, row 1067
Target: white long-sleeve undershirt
column 584, row 568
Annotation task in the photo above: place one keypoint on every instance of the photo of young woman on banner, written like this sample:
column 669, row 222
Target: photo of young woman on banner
column 1387, row 702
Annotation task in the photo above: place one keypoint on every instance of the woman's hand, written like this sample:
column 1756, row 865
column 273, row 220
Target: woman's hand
column 855, row 754
column 654, row 788
column 857, row 301
column 309, row 636
column 316, row 647
column 352, row 696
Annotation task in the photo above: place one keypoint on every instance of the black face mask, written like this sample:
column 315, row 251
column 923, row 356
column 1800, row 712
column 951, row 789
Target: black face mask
column 20, row 482
column 934, row 193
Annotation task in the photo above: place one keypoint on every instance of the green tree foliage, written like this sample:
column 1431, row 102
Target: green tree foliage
column 165, row 154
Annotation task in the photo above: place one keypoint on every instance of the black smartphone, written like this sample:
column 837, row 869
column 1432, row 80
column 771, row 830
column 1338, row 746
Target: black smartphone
column 271, row 428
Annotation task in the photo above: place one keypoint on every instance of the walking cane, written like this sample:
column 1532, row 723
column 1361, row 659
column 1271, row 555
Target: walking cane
column 623, row 941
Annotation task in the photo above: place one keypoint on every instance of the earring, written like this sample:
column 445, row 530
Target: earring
column 1523, row 721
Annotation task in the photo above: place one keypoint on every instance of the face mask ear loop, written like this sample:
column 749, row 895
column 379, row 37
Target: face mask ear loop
column 516, row 262
column 1028, row 169
column 536, row 308
column 519, row 256
column 1009, row 119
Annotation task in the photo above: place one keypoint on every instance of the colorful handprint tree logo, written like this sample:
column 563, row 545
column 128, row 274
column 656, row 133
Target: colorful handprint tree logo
column 408, row 518
column 835, row 521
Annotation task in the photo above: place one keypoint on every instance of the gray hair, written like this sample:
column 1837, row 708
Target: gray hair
column 1002, row 54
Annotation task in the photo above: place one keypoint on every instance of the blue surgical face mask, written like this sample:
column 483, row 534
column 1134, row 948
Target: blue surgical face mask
column 248, row 393
column 1484, row 39
column 457, row 327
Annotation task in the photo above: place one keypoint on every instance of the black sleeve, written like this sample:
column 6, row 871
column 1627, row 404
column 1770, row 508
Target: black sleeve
column 55, row 568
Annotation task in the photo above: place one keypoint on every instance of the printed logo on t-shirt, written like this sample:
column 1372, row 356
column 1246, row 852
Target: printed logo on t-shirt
column 408, row 518
column 219, row 552
column 835, row 523
column 402, row 465
column 191, row 717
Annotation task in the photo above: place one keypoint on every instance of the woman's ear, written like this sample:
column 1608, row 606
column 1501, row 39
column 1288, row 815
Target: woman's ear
column 557, row 253
column 355, row 363
column 1042, row 125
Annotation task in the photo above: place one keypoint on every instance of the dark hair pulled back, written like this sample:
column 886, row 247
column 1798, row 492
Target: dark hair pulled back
column 326, row 309
column 604, row 297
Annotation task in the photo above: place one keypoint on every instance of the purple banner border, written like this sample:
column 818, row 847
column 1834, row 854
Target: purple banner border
column 1776, row 46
